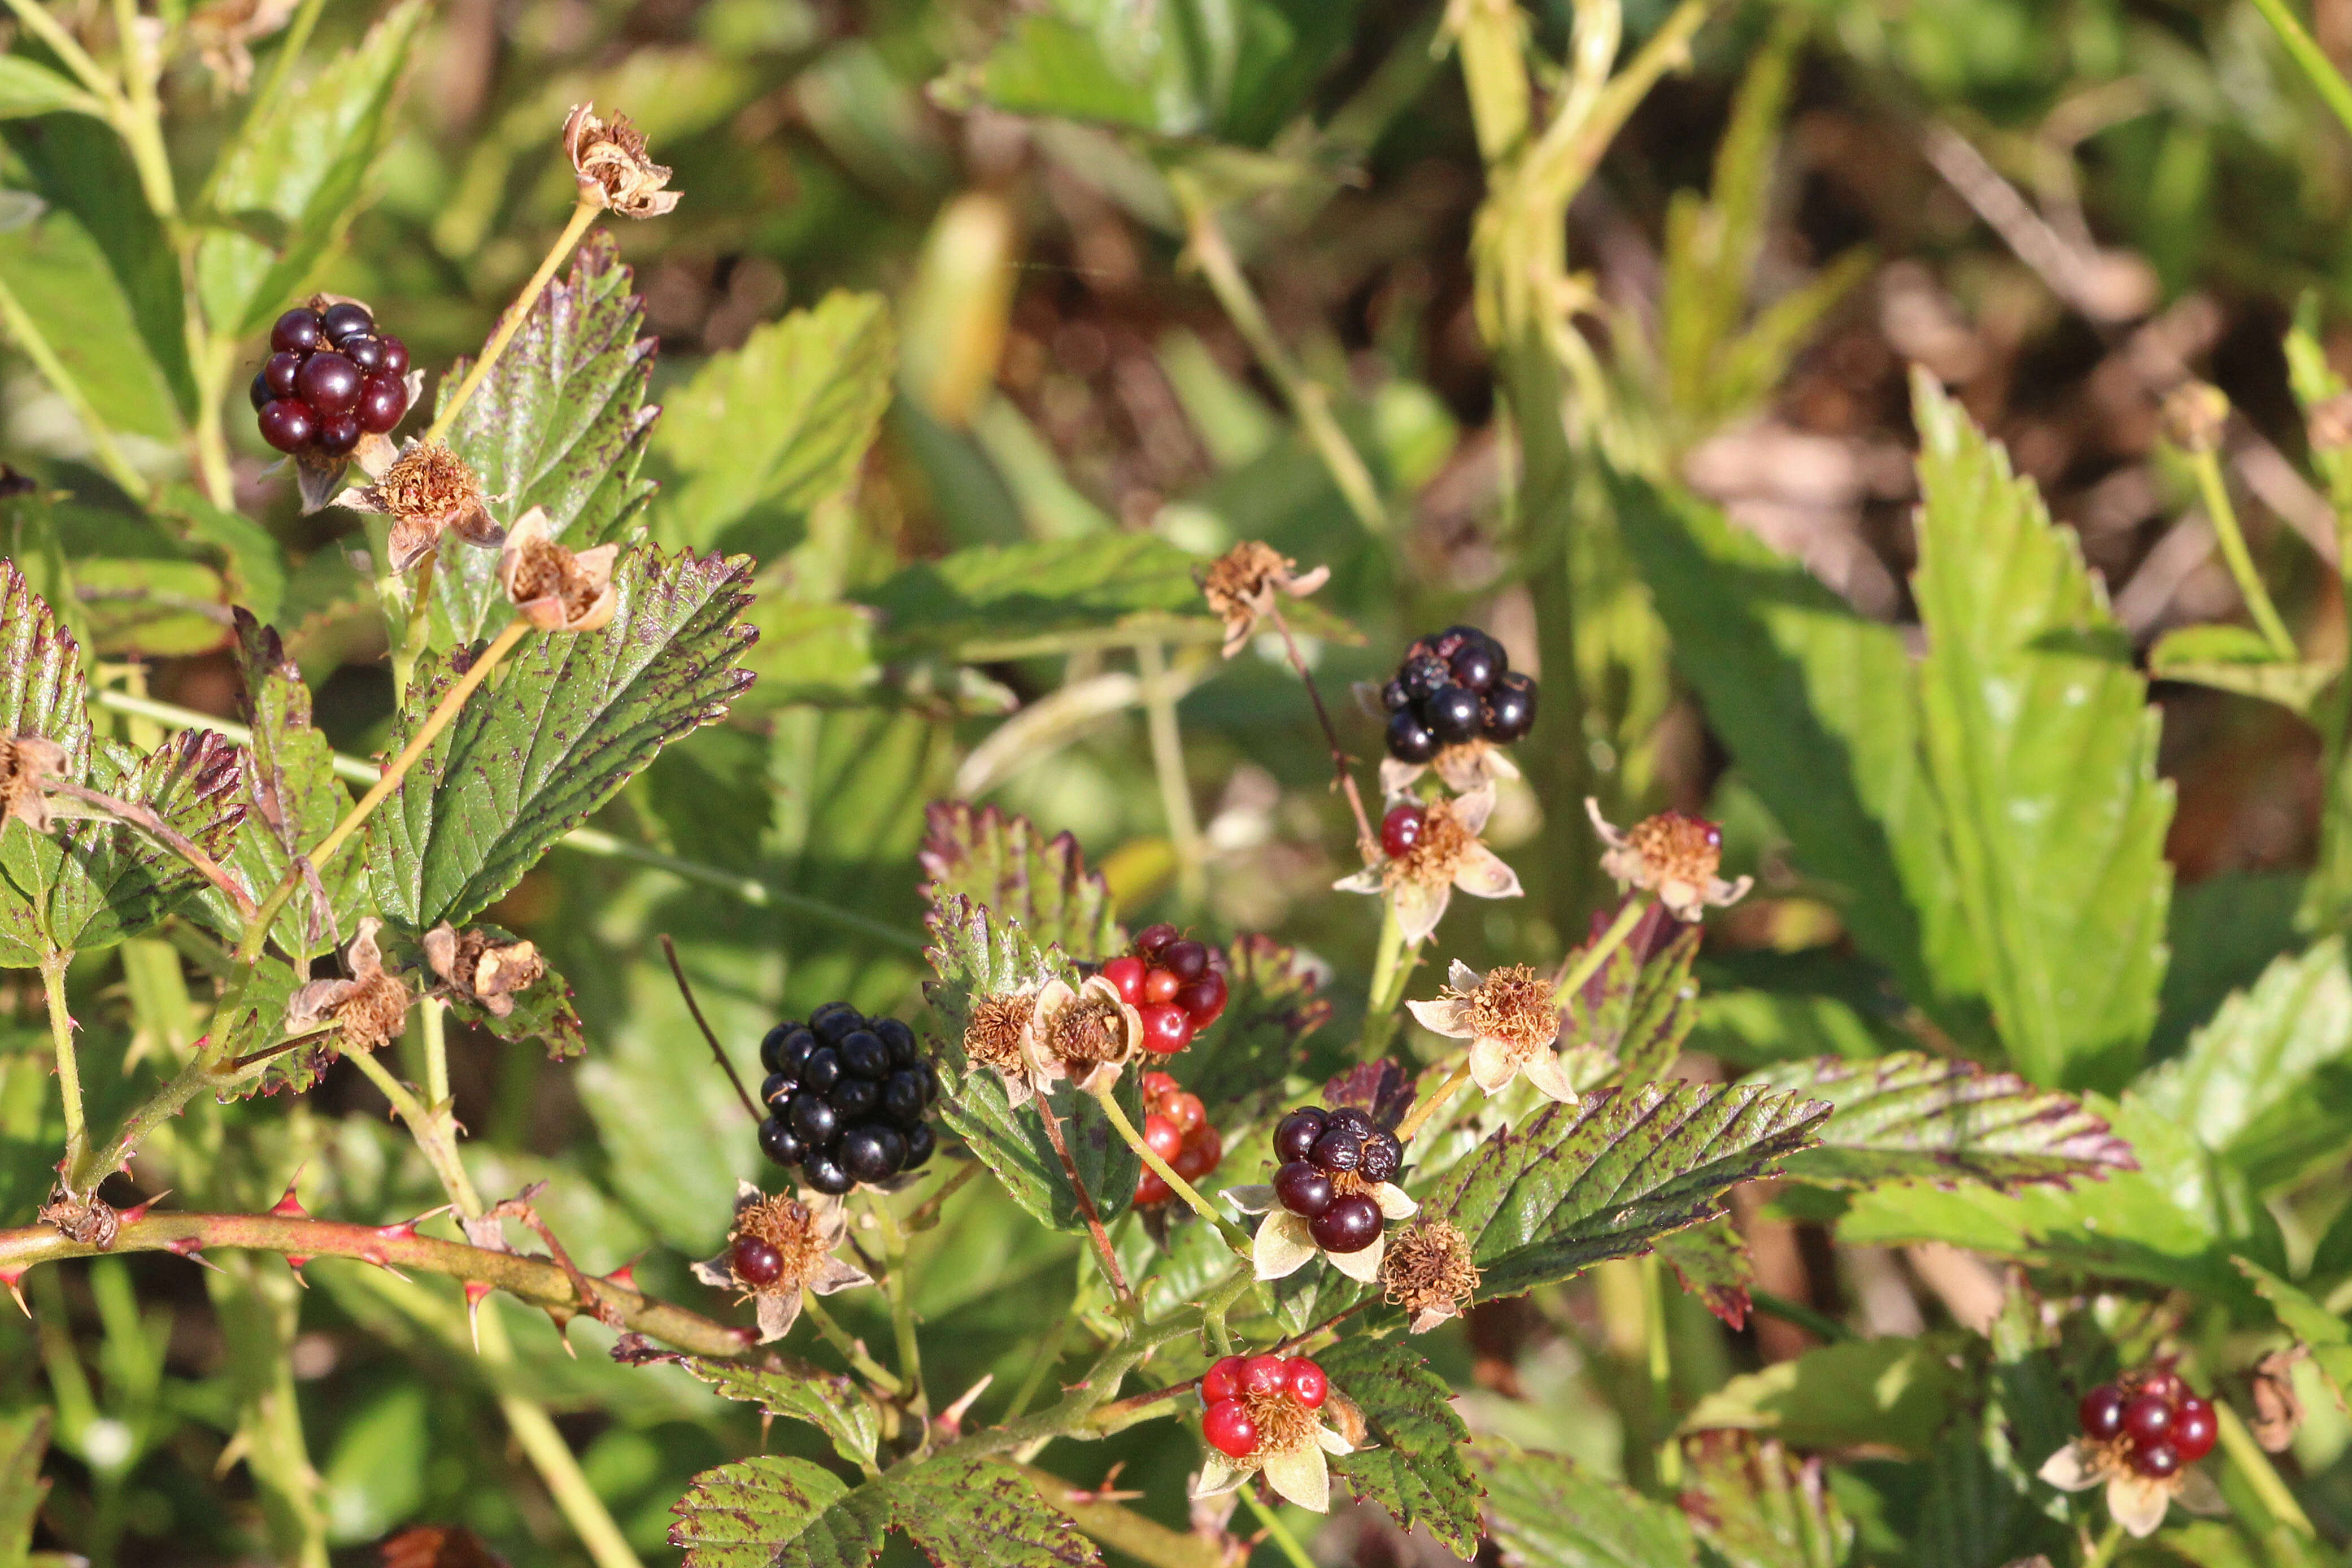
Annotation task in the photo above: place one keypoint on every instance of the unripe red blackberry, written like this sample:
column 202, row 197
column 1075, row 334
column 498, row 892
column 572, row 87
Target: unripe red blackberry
column 1229, row 1429
column 755, row 1262
column 1401, row 830
column 1176, row 1126
column 2151, row 1420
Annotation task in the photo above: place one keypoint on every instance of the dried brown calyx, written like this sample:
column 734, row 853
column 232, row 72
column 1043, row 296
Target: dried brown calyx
column 86, row 1222
column 610, row 162
column 483, row 967
column 1090, row 1030
column 992, row 1038
column 1428, row 1272
column 27, row 762
column 368, row 1010
column 427, row 491
column 550, row 586
column 1241, row 584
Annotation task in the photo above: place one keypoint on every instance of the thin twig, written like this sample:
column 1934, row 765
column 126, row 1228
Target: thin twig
column 923, row 1215
column 1234, row 1236
column 752, row 1106
column 1367, row 842
column 132, row 813
column 1086, row 1202
column 582, row 214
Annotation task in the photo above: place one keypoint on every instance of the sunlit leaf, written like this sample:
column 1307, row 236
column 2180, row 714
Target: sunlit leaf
column 773, row 1512
column 1009, row 866
column 1547, row 1511
column 1712, row 1263
column 1754, row 1505
column 1415, row 1468
column 792, row 1387
column 1893, row 1390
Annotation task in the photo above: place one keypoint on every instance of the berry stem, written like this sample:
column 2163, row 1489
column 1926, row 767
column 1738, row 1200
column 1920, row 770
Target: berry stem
column 2205, row 464
column 1095, row 1230
column 669, row 950
column 1586, row 965
column 1159, row 696
column 902, row 1309
column 433, row 1129
column 1427, row 1105
column 2259, row 1472
column 1660, row 1366
column 582, row 214
column 1367, row 841
column 2102, row 1555
column 1392, row 966
column 1108, row 1098
column 61, row 1035
column 831, row 1332
column 1278, row 1532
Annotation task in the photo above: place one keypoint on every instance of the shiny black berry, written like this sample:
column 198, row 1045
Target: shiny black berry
column 863, row 1055
column 297, row 332
column 785, row 1048
column 867, row 1157
column 1302, row 1189
column 812, row 1121
column 1340, row 1149
column 822, row 1071
column 1452, row 713
column 1393, row 696
column 903, row 1098
column 920, row 1141
column 855, row 1099
column 775, row 1088
column 1350, row 1225
column 1296, row 1133
column 824, row 1173
column 1354, row 1119
column 1476, row 664
column 1384, row 1157
column 344, row 321
column 329, row 383
column 833, row 1020
column 779, row 1142
column 1510, row 710
column 1410, row 739
column 337, row 432
column 904, row 1051
column 1423, row 674
column 395, row 356
column 259, row 393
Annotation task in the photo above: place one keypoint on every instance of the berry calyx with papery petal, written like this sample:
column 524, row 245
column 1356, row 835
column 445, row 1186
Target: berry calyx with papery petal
column 1264, row 1415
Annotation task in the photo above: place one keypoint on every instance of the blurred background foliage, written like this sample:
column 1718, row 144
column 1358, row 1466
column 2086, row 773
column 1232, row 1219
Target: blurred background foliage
column 1193, row 272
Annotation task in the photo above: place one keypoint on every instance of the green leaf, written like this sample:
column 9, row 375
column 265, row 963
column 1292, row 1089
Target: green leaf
column 837, row 1406
column 1818, row 705
column 115, row 881
column 2237, row 659
column 1638, row 1012
column 1547, row 1511
column 2042, row 748
column 1604, row 1178
column 1051, row 67
column 2224, row 932
column 1894, row 1392
column 2173, row 1223
column 1245, row 1058
column 27, row 89
column 570, row 718
column 2329, row 1337
column 295, row 176
column 968, row 1512
column 1713, row 1264
column 57, row 275
column 975, row 955
column 779, row 423
column 2268, row 1081
column 292, row 799
column 24, row 1442
column 1008, row 866
column 1416, row 1471
column 769, row 1512
column 247, row 552
column 560, row 422
column 1753, row 1505
column 1911, row 1115
column 810, row 650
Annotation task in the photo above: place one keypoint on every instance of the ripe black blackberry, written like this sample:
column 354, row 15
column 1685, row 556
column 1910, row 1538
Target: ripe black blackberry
column 330, row 378
column 1330, row 1160
column 1455, row 686
column 845, row 1097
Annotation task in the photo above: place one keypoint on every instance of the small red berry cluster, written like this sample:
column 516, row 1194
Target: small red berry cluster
column 1174, row 982
column 1177, row 1127
column 2160, row 1422
column 1235, row 1384
column 1328, row 1158
column 330, row 379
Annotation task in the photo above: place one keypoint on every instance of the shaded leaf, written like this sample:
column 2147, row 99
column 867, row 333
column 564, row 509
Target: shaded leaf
column 57, row 275
column 1547, row 1511
column 24, row 1442
column 560, row 423
column 836, row 1405
column 1242, row 1062
column 1754, row 1505
column 568, row 721
column 1896, row 1392
column 1604, row 1178
column 982, row 1512
column 779, row 423
column 974, row 955
column 1417, row 1470
column 27, row 88
column 2043, row 749
column 248, row 552
column 1008, row 866
column 2329, row 1336
column 1913, row 1115
column 2238, row 659
column 2268, row 1080
column 1712, row 1263
column 293, row 178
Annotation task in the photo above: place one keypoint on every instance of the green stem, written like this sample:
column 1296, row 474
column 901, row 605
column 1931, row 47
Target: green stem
column 392, row 599
column 2260, row 1474
column 1828, row 1329
column 582, row 214
column 1048, row 1357
column 2304, row 50
column 211, row 358
column 1393, row 964
column 140, row 122
column 433, row 1033
column 902, row 1306
column 2105, row 1552
column 1660, row 1357
column 1108, row 1098
column 46, row 27
column 830, row 1331
column 1311, row 402
column 1168, row 763
column 2206, row 464
column 1589, row 963
column 29, row 336
column 1427, row 1106
column 428, row 1126
column 61, row 1035
column 1276, row 1530
column 281, row 68
column 551, row 1456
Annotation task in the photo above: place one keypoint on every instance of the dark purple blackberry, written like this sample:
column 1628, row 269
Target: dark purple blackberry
column 383, row 402
column 280, row 372
column 1394, row 697
column 1296, row 1133
column 395, row 356
column 1510, row 710
column 297, row 332
column 833, row 1020
column 1476, row 664
column 1383, row 1158
column 920, row 1141
column 365, row 351
column 1410, row 739
column 1302, row 1189
column 1355, row 1121
column 331, row 381
column 786, row 1047
column 345, row 321
column 867, row 1157
column 1456, row 687
column 904, row 1051
column 259, row 393
column 824, row 1173
column 1452, row 713
column 1350, row 1225
column 774, row 1088
column 287, row 424
column 337, row 434
column 903, row 1099
column 1341, row 1149
column 855, row 1099
column 1422, row 675
column 812, row 1121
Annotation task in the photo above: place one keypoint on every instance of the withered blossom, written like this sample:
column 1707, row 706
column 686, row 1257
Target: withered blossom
column 1285, row 1243
column 2136, row 1501
column 483, row 969
column 2278, row 1409
column 1085, row 1033
column 427, row 491
column 1429, row 1273
column 221, row 34
column 1448, row 856
column 2195, row 413
column 1672, row 855
column 1511, row 1021
column 1240, row 586
column 1292, row 1441
column 368, row 1009
column 25, row 763
column 1466, row 768
column 996, row 1037
column 804, row 1229
column 609, row 162
column 87, row 1221
column 551, row 587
